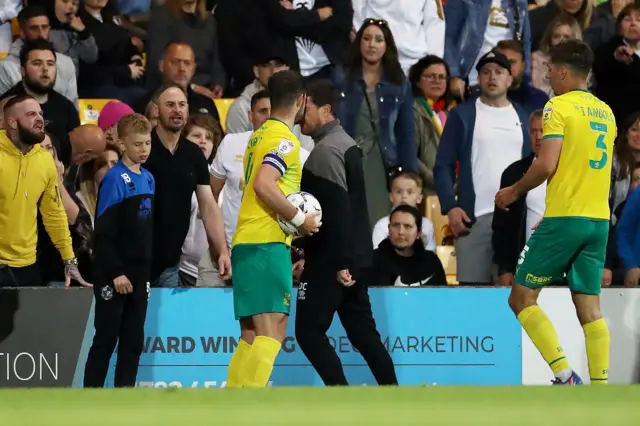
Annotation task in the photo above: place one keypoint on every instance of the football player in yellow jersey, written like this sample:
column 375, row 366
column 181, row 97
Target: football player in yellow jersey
column 575, row 158
column 260, row 249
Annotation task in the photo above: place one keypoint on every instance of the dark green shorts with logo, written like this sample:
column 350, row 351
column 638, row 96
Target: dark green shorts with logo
column 262, row 279
column 575, row 246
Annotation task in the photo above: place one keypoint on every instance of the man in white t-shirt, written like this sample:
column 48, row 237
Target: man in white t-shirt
column 406, row 188
column 512, row 228
column 485, row 137
column 227, row 179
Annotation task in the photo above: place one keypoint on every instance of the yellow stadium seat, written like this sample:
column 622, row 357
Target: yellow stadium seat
column 447, row 255
column 223, row 108
column 90, row 109
column 3, row 55
column 440, row 221
column 15, row 28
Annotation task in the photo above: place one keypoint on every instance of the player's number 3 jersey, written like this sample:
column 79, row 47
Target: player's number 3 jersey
column 275, row 145
column 580, row 185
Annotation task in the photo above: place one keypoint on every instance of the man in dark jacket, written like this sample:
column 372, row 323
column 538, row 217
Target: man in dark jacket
column 512, row 228
column 339, row 255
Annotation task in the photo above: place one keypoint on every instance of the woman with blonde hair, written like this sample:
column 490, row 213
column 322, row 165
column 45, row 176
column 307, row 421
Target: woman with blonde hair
column 562, row 27
column 91, row 175
column 581, row 10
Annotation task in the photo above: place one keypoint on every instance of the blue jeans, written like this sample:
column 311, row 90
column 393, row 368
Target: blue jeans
column 169, row 278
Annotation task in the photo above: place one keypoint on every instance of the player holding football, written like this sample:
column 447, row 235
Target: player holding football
column 260, row 249
column 575, row 157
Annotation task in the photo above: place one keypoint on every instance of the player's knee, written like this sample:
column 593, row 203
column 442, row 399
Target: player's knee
column 520, row 300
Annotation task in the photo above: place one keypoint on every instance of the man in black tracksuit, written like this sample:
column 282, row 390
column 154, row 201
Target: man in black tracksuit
column 122, row 258
column 338, row 257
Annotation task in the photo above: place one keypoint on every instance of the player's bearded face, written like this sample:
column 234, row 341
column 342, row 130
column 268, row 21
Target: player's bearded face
column 300, row 113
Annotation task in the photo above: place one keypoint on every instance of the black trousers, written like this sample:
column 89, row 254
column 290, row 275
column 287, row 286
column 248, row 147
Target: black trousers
column 119, row 318
column 320, row 296
column 25, row 276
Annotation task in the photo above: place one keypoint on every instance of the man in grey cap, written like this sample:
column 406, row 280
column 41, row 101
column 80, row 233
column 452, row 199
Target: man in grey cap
column 485, row 135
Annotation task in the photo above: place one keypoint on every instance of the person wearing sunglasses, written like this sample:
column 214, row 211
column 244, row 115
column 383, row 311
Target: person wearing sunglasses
column 377, row 112
column 417, row 25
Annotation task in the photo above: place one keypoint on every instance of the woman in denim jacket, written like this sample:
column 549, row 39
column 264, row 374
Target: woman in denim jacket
column 474, row 27
column 377, row 112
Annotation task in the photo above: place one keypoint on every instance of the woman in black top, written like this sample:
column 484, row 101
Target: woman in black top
column 401, row 260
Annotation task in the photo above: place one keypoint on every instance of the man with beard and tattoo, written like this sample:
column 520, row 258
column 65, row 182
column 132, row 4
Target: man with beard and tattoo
column 179, row 168
column 38, row 68
column 29, row 182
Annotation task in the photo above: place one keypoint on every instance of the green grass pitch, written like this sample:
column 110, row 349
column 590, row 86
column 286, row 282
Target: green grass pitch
column 402, row 406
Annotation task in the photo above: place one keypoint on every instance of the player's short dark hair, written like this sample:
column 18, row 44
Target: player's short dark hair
column 32, row 45
column 405, row 208
column 15, row 100
column 285, row 87
column 30, row 12
column 575, row 54
column 176, row 43
column 405, row 174
column 262, row 94
column 322, row 93
column 163, row 88
column 513, row 45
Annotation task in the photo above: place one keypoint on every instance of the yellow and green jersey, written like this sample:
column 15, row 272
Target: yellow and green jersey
column 580, row 185
column 275, row 145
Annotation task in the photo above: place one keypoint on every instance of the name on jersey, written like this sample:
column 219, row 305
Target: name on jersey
column 600, row 113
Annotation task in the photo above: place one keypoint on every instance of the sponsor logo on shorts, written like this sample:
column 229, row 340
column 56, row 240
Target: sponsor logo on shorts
column 532, row 279
column 106, row 293
column 302, row 291
column 523, row 253
column 287, row 299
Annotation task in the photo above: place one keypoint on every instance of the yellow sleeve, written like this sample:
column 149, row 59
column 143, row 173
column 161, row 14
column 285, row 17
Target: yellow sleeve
column 281, row 153
column 553, row 121
column 53, row 215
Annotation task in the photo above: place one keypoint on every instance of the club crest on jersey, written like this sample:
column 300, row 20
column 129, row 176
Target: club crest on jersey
column 285, row 147
column 546, row 115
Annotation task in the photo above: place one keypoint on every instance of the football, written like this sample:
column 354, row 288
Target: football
column 304, row 202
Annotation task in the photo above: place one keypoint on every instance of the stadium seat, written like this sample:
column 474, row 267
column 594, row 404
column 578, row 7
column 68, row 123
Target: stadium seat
column 3, row 55
column 223, row 107
column 447, row 255
column 440, row 222
column 90, row 109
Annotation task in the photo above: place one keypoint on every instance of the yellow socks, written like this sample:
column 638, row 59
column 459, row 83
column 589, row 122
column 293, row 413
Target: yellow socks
column 539, row 328
column 236, row 365
column 596, row 335
column 258, row 364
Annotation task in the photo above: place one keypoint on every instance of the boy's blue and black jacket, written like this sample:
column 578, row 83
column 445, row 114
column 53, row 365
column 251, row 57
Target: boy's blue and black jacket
column 124, row 224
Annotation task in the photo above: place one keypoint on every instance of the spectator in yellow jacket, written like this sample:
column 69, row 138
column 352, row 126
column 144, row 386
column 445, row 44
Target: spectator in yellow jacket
column 28, row 182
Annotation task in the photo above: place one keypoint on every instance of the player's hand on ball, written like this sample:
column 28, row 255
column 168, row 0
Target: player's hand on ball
column 344, row 277
column 311, row 224
column 122, row 285
column 505, row 197
column 632, row 278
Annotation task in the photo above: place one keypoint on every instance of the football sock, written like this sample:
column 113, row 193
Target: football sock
column 237, row 364
column 258, row 365
column 539, row 328
column 597, row 339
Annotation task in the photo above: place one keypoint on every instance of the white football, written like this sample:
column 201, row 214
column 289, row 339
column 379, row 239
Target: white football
column 304, row 202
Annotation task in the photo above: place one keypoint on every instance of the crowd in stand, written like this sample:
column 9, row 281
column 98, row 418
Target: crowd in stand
column 444, row 99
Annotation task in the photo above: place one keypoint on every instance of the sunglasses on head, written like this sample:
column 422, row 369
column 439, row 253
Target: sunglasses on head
column 378, row 22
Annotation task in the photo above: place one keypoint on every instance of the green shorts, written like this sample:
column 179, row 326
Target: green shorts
column 262, row 279
column 575, row 246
